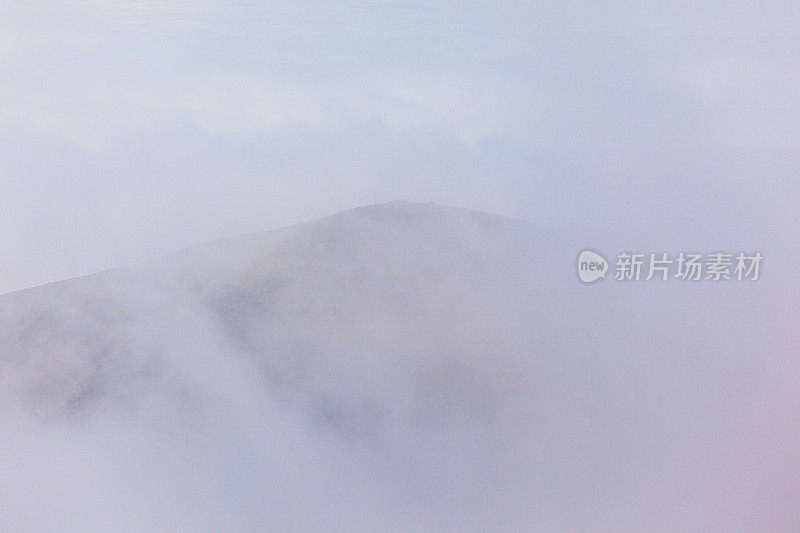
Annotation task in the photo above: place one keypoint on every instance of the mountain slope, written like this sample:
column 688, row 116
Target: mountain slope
column 378, row 279
column 428, row 367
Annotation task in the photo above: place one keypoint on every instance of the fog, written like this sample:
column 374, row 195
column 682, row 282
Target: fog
column 129, row 130
column 402, row 366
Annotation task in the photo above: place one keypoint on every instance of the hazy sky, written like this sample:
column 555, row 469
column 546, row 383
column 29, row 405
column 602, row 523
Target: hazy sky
column 130, row 129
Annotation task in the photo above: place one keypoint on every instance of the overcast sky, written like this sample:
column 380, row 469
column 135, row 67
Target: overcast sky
column 131, row 129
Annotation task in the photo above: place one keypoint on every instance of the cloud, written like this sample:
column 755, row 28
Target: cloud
column 130, row 129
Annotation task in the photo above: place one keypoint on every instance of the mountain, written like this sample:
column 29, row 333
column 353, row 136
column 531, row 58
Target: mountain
column 397, row 366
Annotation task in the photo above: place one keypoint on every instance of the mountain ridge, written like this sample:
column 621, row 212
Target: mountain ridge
column 396, row 205
column 446, row 362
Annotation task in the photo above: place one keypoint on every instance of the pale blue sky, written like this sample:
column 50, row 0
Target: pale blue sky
column 130, row 129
